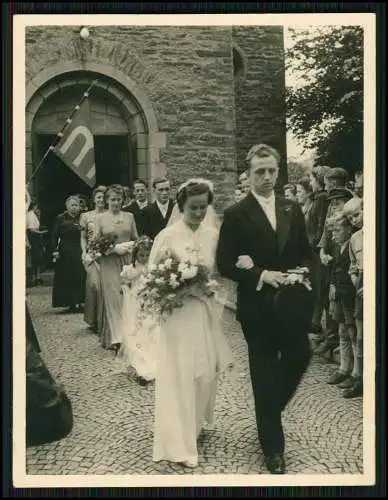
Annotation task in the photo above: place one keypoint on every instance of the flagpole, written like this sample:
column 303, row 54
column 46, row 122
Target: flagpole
column 61, row 132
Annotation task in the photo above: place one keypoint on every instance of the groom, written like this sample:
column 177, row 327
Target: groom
column 262, row 237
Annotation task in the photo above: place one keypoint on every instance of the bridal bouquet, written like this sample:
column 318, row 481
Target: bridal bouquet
column 168, row 284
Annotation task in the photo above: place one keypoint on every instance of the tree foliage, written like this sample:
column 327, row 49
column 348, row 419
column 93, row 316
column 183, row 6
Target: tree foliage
column 296, row 170
column 325, row 107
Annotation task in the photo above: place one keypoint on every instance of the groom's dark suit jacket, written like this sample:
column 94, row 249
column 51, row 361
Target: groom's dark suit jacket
column 247, row 231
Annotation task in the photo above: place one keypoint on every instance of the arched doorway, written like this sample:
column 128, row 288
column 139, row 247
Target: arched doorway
column 120, row 130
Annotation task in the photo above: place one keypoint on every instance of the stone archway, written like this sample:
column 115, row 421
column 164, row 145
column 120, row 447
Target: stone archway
column 136, row 107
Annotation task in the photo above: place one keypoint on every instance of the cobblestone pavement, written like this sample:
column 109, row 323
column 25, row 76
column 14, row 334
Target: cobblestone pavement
column 113, row 415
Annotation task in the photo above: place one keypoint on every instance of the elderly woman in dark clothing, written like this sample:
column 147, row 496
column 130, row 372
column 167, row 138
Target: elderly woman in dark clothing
column 69, row 275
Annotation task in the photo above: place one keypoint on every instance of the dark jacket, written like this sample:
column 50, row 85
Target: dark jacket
column 134, row 209
column 340, row 277
column 246, row 231
column 152, row 219
column 317, row 216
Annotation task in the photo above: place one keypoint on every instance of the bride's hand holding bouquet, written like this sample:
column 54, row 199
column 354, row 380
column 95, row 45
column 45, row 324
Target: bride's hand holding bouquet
column 170, row 283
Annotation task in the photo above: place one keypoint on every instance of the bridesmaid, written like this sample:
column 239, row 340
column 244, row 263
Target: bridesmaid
column 122, row 225
column 92, row 287
column 69, row 274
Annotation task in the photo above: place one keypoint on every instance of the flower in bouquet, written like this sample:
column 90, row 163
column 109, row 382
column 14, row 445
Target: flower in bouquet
column 102, row 245
column 169, row 283
column 128, row 273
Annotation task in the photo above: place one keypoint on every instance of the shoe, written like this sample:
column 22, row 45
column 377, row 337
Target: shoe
column 275, row 464
column 356, row 391
column 141, row 381
column 348, row 383
column 115, row 348
column 328, row 344
column 337, row 378
column 191, row 463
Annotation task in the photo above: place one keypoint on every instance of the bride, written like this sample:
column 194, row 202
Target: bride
column 192, row 349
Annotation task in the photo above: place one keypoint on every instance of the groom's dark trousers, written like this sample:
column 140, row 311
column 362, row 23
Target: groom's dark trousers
column 275, row 322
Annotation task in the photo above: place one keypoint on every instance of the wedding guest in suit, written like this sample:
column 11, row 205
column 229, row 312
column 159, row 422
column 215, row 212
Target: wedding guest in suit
column 154, row 217
column 270, row 233
column 140, row 202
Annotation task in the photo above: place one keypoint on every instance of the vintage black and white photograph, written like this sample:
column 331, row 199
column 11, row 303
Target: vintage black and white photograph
column 193, row 267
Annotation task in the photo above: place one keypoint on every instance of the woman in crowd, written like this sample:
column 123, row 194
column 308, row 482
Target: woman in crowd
column 120, row 225
column 290, row 192
column 92, row 287
column 35, row 238
column 304, row 198
column 192, row 349
column 317, row 217
column 69, row 275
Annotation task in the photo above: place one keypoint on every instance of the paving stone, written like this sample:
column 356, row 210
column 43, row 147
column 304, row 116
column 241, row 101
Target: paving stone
column 113, row 415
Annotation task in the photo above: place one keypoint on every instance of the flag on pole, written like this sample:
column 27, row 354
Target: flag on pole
column 76, row 145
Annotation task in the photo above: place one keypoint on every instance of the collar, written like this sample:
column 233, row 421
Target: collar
column 162, row 206
column 264, row 201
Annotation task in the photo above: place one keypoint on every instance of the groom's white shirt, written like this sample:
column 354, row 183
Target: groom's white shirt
column 268, row 206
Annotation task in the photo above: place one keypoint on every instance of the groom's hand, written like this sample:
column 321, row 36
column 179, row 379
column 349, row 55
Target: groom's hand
column 274, row 278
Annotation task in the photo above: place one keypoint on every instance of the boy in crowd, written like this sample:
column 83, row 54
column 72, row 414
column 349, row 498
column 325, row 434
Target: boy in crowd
column 342, row 297
column 353, row 210
column 337, row 198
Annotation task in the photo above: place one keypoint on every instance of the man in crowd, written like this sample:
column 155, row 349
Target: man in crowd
column 155, row 217
column 140, row 202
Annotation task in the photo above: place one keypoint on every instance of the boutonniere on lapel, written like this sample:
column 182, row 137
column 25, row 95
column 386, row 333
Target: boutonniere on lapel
column 287, row 208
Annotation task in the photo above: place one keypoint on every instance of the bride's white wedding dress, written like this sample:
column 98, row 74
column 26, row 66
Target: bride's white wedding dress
column 192, row 352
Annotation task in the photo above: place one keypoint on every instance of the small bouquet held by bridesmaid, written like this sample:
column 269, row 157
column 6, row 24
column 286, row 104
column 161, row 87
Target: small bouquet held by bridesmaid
column 102, row 245
column 167, row 285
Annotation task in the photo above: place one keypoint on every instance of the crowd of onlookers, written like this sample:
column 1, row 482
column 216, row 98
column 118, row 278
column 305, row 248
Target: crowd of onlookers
column 332, row 205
